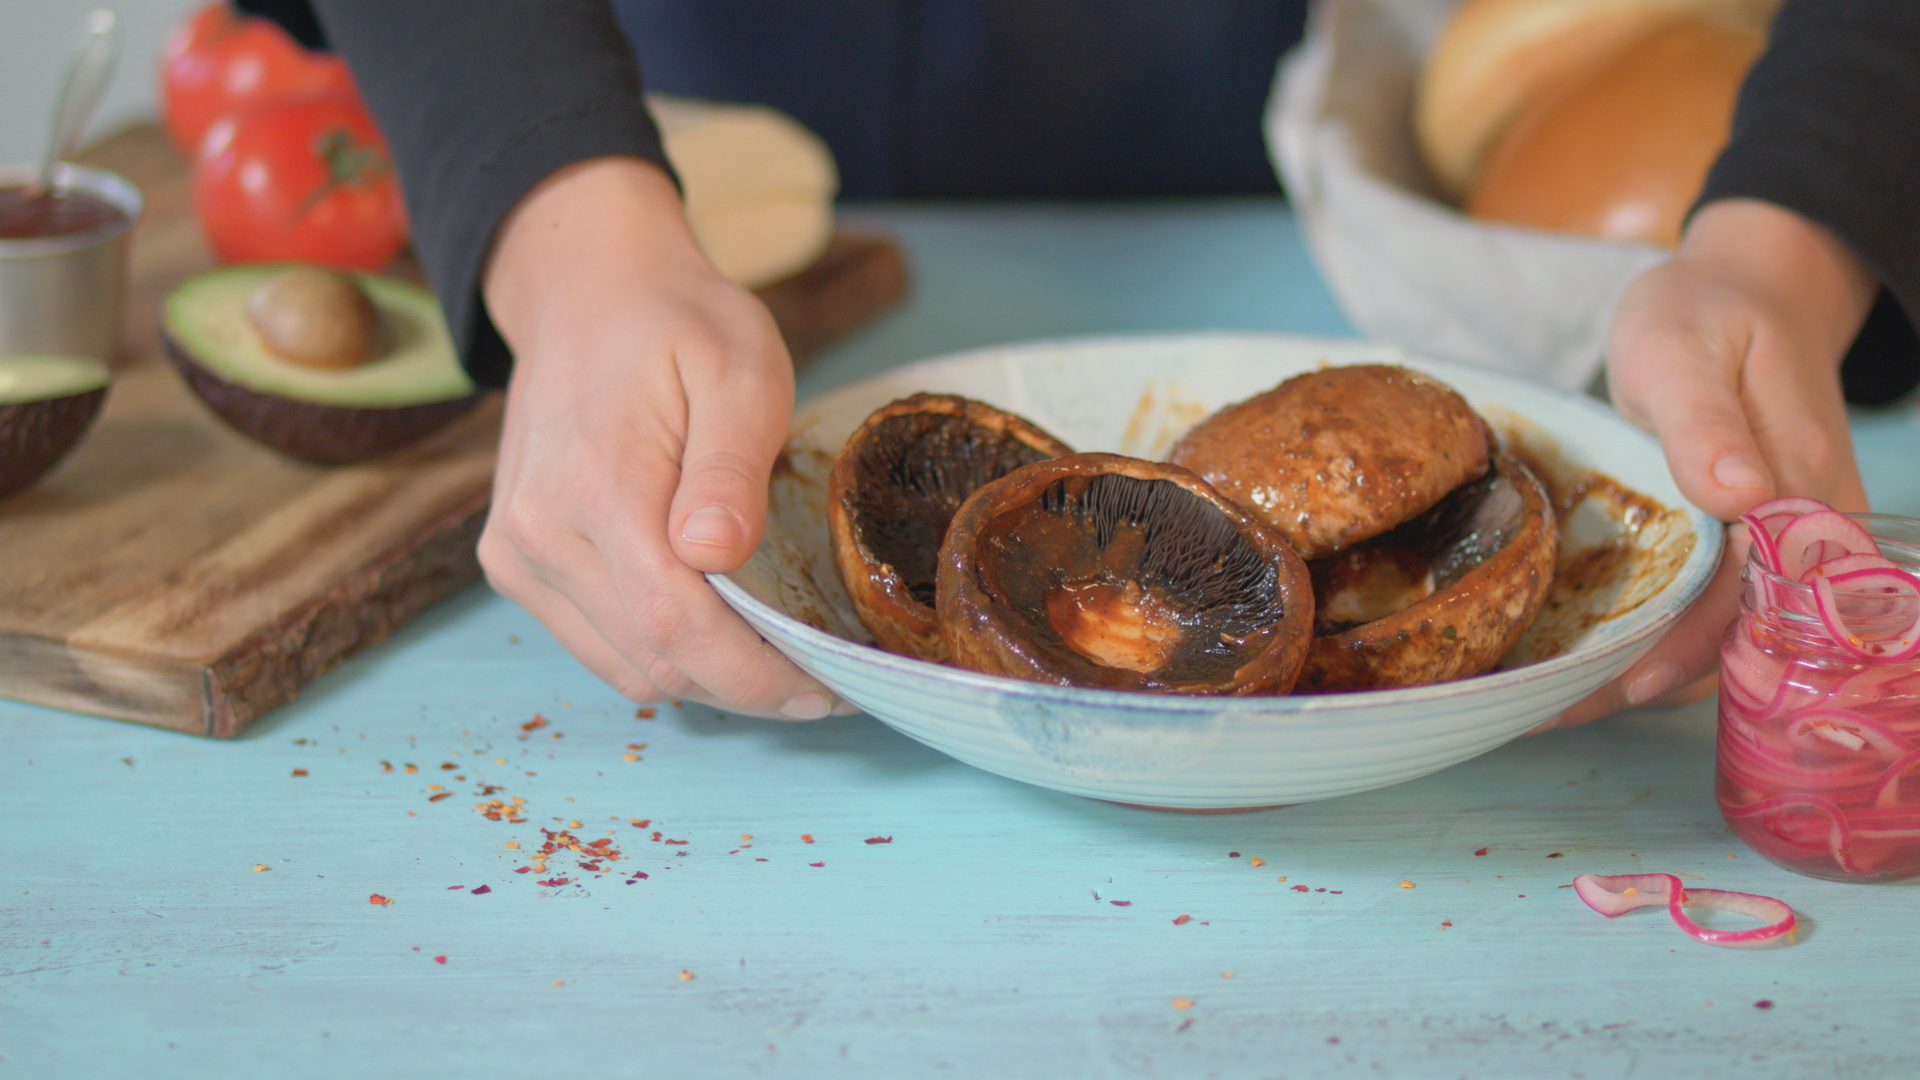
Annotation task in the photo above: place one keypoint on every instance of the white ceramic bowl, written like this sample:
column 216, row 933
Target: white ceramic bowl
column 1136, row 395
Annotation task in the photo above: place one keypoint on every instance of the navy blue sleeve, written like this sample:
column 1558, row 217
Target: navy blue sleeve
column 480, row 101
column 1828, row 125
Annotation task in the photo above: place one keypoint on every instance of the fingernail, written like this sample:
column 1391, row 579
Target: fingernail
column 1658, row 678
column 1735, row 471
column 711, row 525
column 811, row 705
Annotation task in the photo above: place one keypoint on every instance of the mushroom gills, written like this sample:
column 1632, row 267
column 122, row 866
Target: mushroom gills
column 1139, row 575
column 1429, row 554
column 915, row 471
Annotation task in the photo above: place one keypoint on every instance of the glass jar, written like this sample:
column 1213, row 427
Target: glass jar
column 1819, row 746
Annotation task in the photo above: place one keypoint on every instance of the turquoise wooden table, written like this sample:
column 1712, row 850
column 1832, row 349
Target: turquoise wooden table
column 727, row 897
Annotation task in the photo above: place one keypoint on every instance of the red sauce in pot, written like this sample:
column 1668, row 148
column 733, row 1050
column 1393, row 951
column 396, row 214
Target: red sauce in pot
column 26, row 215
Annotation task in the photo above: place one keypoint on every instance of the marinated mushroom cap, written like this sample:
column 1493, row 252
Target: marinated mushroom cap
column 892, row 492
column 1103, row 571
column 1441, row 597
column 1334, row 456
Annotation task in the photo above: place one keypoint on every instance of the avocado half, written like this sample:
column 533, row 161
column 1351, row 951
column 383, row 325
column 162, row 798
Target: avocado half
column 413, row 387
column 46, row 404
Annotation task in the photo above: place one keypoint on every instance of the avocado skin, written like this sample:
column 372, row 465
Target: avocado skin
column 313, row 432
column 35, row 435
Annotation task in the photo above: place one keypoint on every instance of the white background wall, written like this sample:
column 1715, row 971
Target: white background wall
column 37, row 38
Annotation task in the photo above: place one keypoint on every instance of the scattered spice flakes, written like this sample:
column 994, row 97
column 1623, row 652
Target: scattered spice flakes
column 1300, row 888
column 816, row 864
column 1282, row 877
column 413, row 768
column 1557, row 855
column 1482, row 851
column 630, row 757
column 1405, row 884
column 640, row 822
column 1121, row 903
column 379, row 900
column 645, row 713
column 1444, row 923
column 439, row 959
column 386, row 766
column 1182, row 920
column 573, row 824
column 554, row 883
column 685, row 975
column 442, row 795
column 448, row 765
column 258, row 867
column 879, row 839
column 451, row 888
column 1183, row 1003
column 1233, row 854
column 1226, row 974
column 636, row 746
column 482, row 890
column 534, row 724
column 559, row 982
column 1763, row 1003
column 806, row 838
column 1257, row 861
column 303, row 772
column 435, row 787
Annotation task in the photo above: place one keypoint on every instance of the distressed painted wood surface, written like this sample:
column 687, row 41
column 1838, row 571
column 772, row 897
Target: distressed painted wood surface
column 173, row 572
column 1000, row 931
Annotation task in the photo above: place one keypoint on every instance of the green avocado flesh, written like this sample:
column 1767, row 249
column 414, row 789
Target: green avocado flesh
column 25, row 378
column 207, row 318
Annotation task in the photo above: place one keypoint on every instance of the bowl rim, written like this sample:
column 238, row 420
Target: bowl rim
column 1673, row 599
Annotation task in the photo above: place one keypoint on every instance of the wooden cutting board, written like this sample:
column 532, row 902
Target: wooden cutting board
column 172, row 572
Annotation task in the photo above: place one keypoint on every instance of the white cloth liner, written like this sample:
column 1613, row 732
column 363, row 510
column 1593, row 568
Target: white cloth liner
column 1406, row 267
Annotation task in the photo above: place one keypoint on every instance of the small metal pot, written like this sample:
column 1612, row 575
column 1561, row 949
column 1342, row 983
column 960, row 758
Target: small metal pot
column 63, row 295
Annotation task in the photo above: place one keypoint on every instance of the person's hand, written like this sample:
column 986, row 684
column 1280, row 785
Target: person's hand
column 648, row 400
column 1730, row 354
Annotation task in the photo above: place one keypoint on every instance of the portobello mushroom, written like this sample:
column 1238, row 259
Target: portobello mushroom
column 1335, row 456
column 1097, row 570
column 1443, row 596
column 892, row 492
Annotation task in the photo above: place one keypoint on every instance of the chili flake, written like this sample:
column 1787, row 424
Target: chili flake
column 534, row 724
column 386, row 766
column 376, row 898
column 442, row 795
column 1446, row 922
column 1233, row 854
column 448, row 765
column 806, row 838
column 1257, row 861
column 257, row 867
column 1182, row 920
column 439, row 959
column 630, row 757
column 1763, row 1003
column 816, row 864
column 686, row 976
column 1300, row 888
column 299, row 772
column 514, row 844
column 1406, row 884
column 481, row 890
column 640, row 823
column 413, row 768
column 1557, row 855
column 1121, row 903
column 879, row 839
column 645, row 713
column 1183, row 1003
column 1482, row 851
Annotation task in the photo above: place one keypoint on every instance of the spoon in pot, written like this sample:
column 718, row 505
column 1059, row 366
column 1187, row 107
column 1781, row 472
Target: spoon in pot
column 87, row 79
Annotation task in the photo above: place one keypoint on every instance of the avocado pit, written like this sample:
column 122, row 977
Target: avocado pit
column 317, row 316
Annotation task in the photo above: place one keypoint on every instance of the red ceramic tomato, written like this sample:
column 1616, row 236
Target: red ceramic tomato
column 219, row 63
column 308, row 180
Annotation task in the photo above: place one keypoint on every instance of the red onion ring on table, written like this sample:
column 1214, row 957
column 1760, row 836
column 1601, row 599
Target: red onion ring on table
column 1617, row 894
